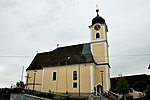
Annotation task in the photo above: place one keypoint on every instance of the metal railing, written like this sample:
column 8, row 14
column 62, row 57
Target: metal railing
column 110, row 93
column 114, row 94
column 97, row 95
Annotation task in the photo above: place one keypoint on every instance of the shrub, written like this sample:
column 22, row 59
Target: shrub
column 129, row 97
column 147, row 92
column 16, row 90
column 20, row 84
column 4, row 94
column 122, row 86
column 107, row 95
column 140, row 86
column 61, row 97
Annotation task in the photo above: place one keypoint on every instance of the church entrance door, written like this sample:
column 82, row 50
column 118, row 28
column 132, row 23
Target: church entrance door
column 98, row 90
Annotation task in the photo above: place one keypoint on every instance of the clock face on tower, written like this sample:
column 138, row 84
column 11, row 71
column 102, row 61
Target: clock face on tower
column 97, row 27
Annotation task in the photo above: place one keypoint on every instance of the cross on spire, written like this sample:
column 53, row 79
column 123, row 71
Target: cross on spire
column 97, row 9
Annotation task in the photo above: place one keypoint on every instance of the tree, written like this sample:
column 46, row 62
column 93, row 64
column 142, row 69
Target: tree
column 122, row 86
column 20, row 84
column 140, row 86
column 147, row 92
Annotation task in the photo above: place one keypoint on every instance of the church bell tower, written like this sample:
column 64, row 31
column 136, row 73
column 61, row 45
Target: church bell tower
column 99, row 44
column 99, row 49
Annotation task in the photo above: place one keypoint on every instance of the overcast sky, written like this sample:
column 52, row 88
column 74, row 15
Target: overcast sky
column 28, row 26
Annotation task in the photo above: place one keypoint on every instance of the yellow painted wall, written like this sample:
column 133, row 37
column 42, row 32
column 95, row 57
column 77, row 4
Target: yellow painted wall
column 48, row 83
column 98, row 77
column 85, row 78
column 98, row 52
column 109, row 83
column 70, row 70
column 60, row 85
column 38, row 79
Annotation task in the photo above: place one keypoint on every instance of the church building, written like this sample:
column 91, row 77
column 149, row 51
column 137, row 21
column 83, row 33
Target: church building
column 79, row 69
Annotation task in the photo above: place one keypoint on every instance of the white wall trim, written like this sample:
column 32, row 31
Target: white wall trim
column 97, row 40
column 106, row 52
column 96, row 87
column 107, row 81
column 102, row 63
column 106, row 59
column 91, row 33
column 98, row 84
column 91, row 78
column 104, row 32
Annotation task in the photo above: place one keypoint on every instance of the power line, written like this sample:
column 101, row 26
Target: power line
column 131, row 55
column 15, row 56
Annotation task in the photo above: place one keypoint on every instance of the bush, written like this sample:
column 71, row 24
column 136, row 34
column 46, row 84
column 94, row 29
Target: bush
column 147, row 92
column 5, row 94
column 16, row 90
column 122, row 86
column 61, row 97
column 129, row 97
column 140, row 86
column 20, row 84
column 107, row 95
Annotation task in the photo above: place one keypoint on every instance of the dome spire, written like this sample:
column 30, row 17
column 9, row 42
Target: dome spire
column 97, row 9
column 98, row 19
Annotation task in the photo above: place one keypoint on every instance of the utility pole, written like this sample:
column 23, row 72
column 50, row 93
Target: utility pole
column 149, row 66
column 22, row 74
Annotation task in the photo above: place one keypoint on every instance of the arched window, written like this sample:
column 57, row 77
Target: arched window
column 97, row 35
column 75, row 75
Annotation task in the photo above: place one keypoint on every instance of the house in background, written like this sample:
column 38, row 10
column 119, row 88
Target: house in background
column 131, row 80
column 77, row 69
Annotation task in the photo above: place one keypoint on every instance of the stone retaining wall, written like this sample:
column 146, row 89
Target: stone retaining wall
column 25, row 97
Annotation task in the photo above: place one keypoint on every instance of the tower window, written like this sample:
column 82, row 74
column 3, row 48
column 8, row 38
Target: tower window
column 74, row 84
column 97, row 35
column 74, row 75
column 54, row 76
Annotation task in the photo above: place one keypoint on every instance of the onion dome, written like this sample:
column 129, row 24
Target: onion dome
column 98, row 19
